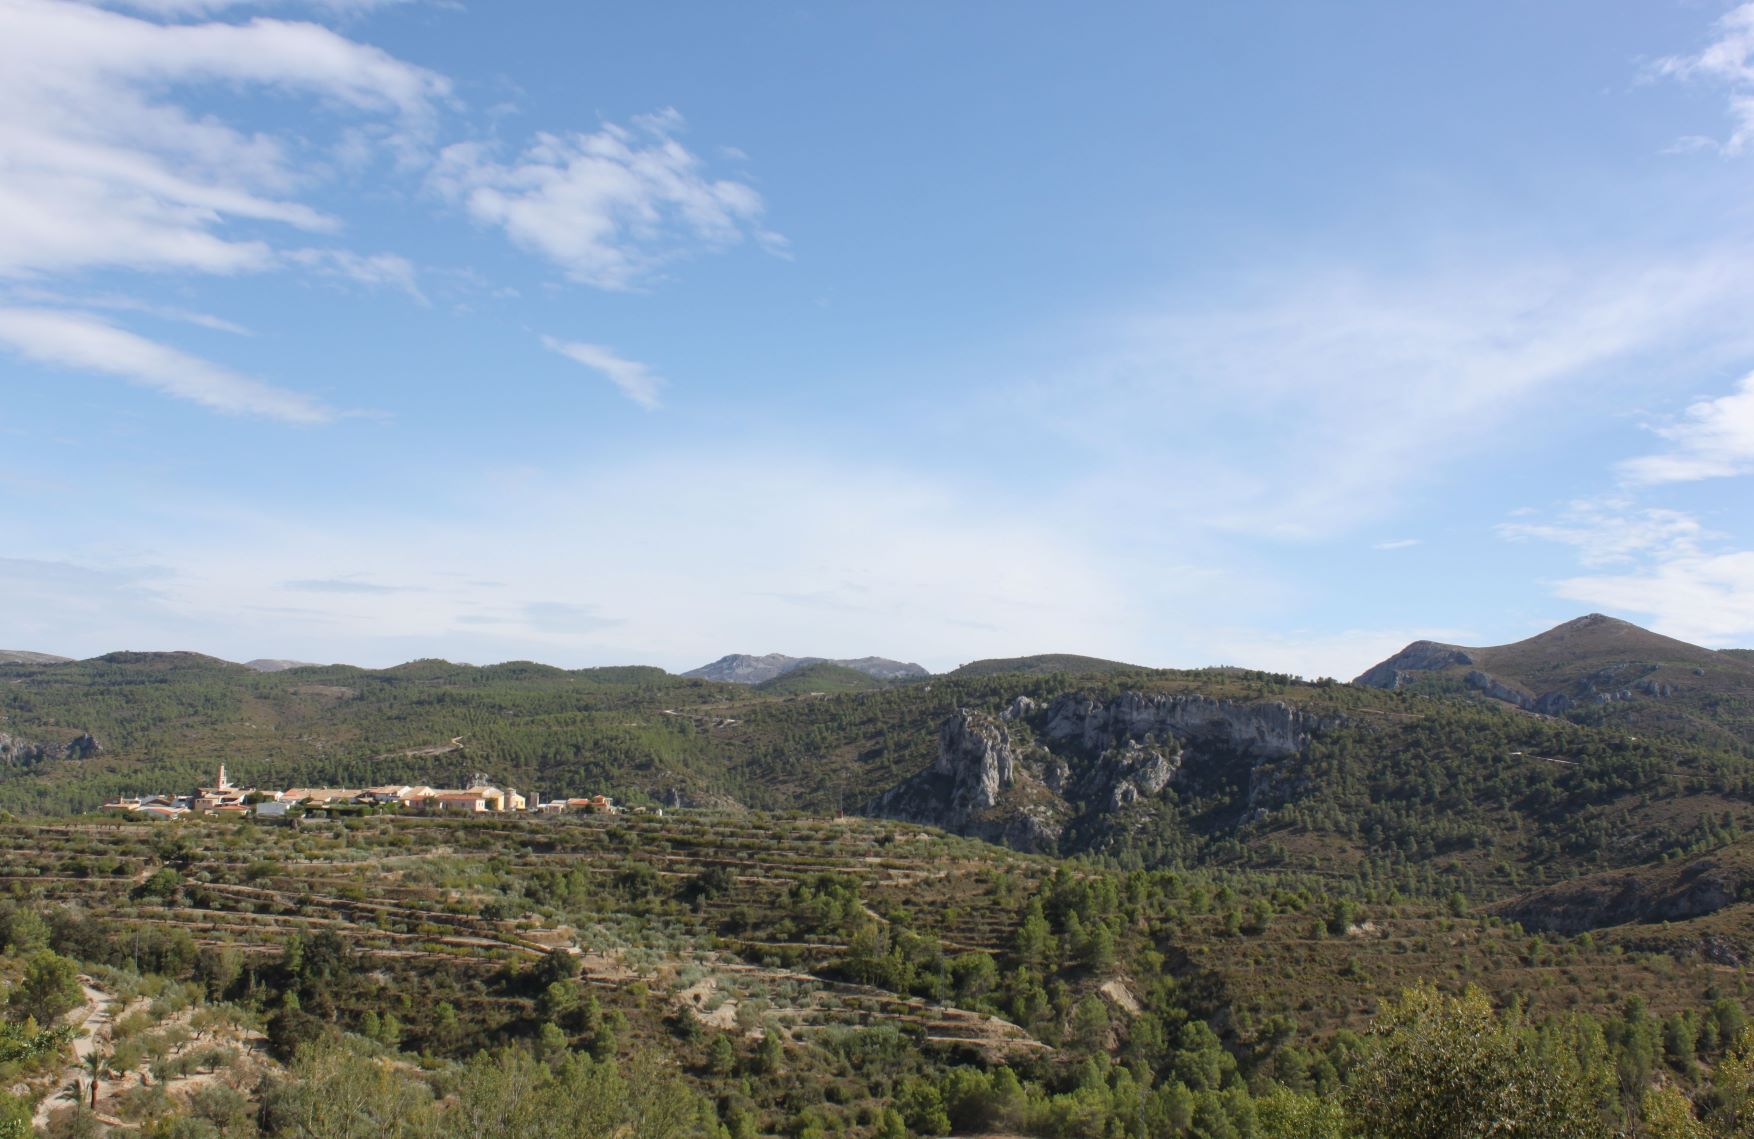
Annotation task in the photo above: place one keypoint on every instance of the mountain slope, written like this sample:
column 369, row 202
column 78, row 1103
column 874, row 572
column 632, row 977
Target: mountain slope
column 274, row 664
column 1595, row 669
column 742, row 668
column 1068, row 663
column 1674, row 891
column 821, row 677
column 1215, row 767
column 21, row 656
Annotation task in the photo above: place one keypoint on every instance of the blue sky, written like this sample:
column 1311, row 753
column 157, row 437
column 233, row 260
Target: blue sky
column 1274, row 334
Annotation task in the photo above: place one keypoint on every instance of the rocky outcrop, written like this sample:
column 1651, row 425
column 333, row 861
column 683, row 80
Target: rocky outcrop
column 1032, row 777
column 677, row 797
column 974, row 754
column 1676, row 893
column 1126, row 774
column 18, row 752
column 976, row 769
column 1263, row 730
column 1420, row 656
column 1499, row 690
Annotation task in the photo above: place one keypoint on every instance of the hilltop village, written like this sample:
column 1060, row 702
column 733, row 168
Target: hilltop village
column 480, row 797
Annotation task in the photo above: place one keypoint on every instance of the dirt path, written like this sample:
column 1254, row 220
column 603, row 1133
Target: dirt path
column 94, row 1022
column 91, row 1023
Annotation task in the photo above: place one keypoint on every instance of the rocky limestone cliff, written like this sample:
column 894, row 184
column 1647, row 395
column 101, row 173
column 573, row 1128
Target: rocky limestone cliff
column 22, row 752
column 1264, row 730
column 1027, row 775
column 978, row 768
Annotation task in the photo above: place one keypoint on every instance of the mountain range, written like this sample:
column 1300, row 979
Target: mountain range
column 1596, row 748
column 741, row 668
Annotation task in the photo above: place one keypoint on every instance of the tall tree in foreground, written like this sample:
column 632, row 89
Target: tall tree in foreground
column 1446, row 1067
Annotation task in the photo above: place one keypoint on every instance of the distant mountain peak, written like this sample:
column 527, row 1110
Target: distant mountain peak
column 1587, row 666
column 273, row 664
column 742, row 668
column 24, row 656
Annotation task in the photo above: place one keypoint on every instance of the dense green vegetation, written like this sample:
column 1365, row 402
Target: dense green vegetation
column 782, row 975
column 1045, row 664
column 1436, row 792
column 1440, row 912
column 823, row 678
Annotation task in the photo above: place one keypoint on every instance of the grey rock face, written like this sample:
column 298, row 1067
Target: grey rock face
column 1266, row 730
column 14, row 750
column 1087, row 759
column 974, row 753
column 20, row 752
column 1553, row 703
column 1128, row 773
column 1498, row 690
column 975, row 768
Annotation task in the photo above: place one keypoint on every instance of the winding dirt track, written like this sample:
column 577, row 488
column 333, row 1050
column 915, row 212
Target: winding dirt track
column 93, row 1017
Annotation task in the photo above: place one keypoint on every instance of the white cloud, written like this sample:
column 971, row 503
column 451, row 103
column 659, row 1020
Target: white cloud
column 172, row 9
column 1704, row 598
column 608, row 207
column 1729, row 62
column 1395, row 544
column 105, row 163
column 1608, row 531
column 636, row 381
column 76, row 340
column 114, row 302
column 1309, row 406
column 98, row 168
column 1666, row 568
column 378, row 270
column 1714, row 440
column 101, row 167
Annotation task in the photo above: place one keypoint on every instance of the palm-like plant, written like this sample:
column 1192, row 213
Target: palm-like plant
column 95, row 1064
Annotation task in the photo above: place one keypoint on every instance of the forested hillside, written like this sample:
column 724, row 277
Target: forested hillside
column 1386, row 783
column 1244, row 906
